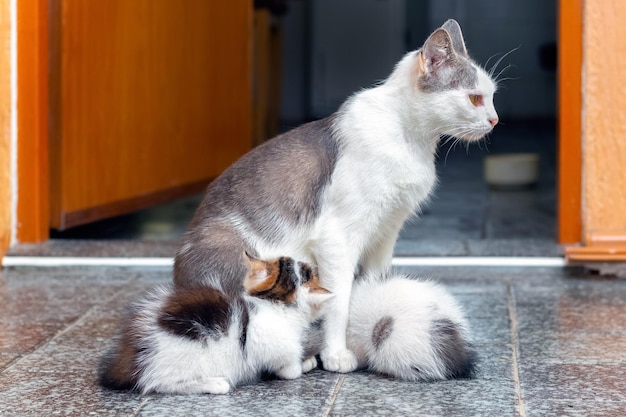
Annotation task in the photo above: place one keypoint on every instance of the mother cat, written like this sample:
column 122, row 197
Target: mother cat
column 337, row 191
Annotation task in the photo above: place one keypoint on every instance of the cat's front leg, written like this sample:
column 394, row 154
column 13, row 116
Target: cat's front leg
column 309, row 364
column 337, row 276
column 336, row 357
column 290, row 371
column 336, row 258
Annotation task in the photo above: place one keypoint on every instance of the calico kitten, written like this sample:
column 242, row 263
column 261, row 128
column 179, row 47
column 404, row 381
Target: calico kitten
column 206, row 341
column 410, row 329
column 335, row 192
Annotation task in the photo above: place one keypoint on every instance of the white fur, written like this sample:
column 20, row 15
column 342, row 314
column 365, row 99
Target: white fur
column 413, row 306
column 173, row 364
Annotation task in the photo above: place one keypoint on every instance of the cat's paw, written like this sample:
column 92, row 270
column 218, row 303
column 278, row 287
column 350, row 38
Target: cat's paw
column 309, row 364
column 342, row 360
column 292, row 371
column 216, row 386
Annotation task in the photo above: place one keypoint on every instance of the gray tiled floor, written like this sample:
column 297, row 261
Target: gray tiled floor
column 550, row 342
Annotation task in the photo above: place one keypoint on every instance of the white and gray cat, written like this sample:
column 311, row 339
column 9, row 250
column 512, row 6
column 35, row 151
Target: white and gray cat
column 206, row 341
column 336, row 192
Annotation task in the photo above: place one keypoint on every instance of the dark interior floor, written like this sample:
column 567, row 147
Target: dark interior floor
column 464, row 217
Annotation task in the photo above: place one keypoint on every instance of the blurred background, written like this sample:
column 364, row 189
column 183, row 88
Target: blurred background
column 310, row 55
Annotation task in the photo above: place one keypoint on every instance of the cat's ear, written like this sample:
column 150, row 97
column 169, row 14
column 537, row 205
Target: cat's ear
column 319, row 295
column 454, row 30
column 436, row 53
column 259, row 276
column 249, row 257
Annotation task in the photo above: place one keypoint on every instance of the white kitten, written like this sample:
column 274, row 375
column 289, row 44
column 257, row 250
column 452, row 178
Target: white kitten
column 410, row 329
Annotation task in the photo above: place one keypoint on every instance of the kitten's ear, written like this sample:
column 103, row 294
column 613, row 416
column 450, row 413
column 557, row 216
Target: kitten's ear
column 436, row 52
column 259, row 274
column 319, row 295
column 454, row 30
column 249, row 257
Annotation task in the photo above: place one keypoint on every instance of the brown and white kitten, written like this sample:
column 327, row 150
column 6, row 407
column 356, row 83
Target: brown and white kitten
column 204, row 340
column 335, row 192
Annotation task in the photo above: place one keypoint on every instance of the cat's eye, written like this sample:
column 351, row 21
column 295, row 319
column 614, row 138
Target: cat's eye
column 476, row 99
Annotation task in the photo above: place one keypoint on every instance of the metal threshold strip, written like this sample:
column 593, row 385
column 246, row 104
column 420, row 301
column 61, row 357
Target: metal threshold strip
column 407, row 261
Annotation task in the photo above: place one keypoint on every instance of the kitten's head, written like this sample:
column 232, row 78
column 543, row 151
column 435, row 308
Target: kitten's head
column 460, row 93
column 285, row 281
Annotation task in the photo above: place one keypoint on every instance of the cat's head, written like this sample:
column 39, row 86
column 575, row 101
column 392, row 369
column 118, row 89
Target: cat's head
column 284, row 280
column 457, row 91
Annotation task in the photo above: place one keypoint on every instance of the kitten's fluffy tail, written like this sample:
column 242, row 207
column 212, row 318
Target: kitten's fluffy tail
column 410, row 329
column 116, row 370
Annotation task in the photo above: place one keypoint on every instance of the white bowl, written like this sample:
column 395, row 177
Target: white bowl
column 515, row 170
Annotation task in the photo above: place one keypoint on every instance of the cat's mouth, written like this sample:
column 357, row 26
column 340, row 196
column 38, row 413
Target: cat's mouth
column 474, row 134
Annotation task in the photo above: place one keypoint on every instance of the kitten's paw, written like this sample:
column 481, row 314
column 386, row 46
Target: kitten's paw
column 216, row 386
column 309, row 364
column 339, row 360
column 292, row 371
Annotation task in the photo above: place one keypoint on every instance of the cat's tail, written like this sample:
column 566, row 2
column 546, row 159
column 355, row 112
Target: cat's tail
column 116, row 370
column 410, row 329
column 119, row 367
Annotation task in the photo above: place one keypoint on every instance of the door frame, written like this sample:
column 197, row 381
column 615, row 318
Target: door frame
column 32, row 209
column 570, row 105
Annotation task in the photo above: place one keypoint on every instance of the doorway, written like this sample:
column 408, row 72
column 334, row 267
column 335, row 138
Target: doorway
column 321, row 67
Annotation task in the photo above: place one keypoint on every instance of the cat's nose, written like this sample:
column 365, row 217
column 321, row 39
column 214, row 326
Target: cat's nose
column 493, row 121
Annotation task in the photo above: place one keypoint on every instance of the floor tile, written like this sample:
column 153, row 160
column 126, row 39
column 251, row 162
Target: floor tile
column 236, row 406
column 306, row 396
column 573, row 381
column 68, row 394
column 538, row 407
column 363, row 394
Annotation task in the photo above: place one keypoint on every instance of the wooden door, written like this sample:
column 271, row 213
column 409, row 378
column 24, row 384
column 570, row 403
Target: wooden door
column 149, row 100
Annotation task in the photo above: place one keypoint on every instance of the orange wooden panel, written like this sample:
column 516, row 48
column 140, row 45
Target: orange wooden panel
column 599, row 248
column 570, row 110
column 5, row 127
column 152, row 95
column 32, row 120
column 595, row 254
column 604, row 119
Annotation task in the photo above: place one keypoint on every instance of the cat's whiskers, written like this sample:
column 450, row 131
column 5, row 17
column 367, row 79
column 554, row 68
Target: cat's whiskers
column 497, row 80
column 494, row 67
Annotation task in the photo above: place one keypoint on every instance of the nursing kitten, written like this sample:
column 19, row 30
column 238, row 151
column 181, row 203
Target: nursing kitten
column 410, row 329
column 206, row 341
column 336, row 191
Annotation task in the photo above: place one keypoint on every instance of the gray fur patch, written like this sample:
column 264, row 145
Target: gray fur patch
column 382, row 331
column 281, row 182
column 313, row 339
column 459, row 73
column 456, row 353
